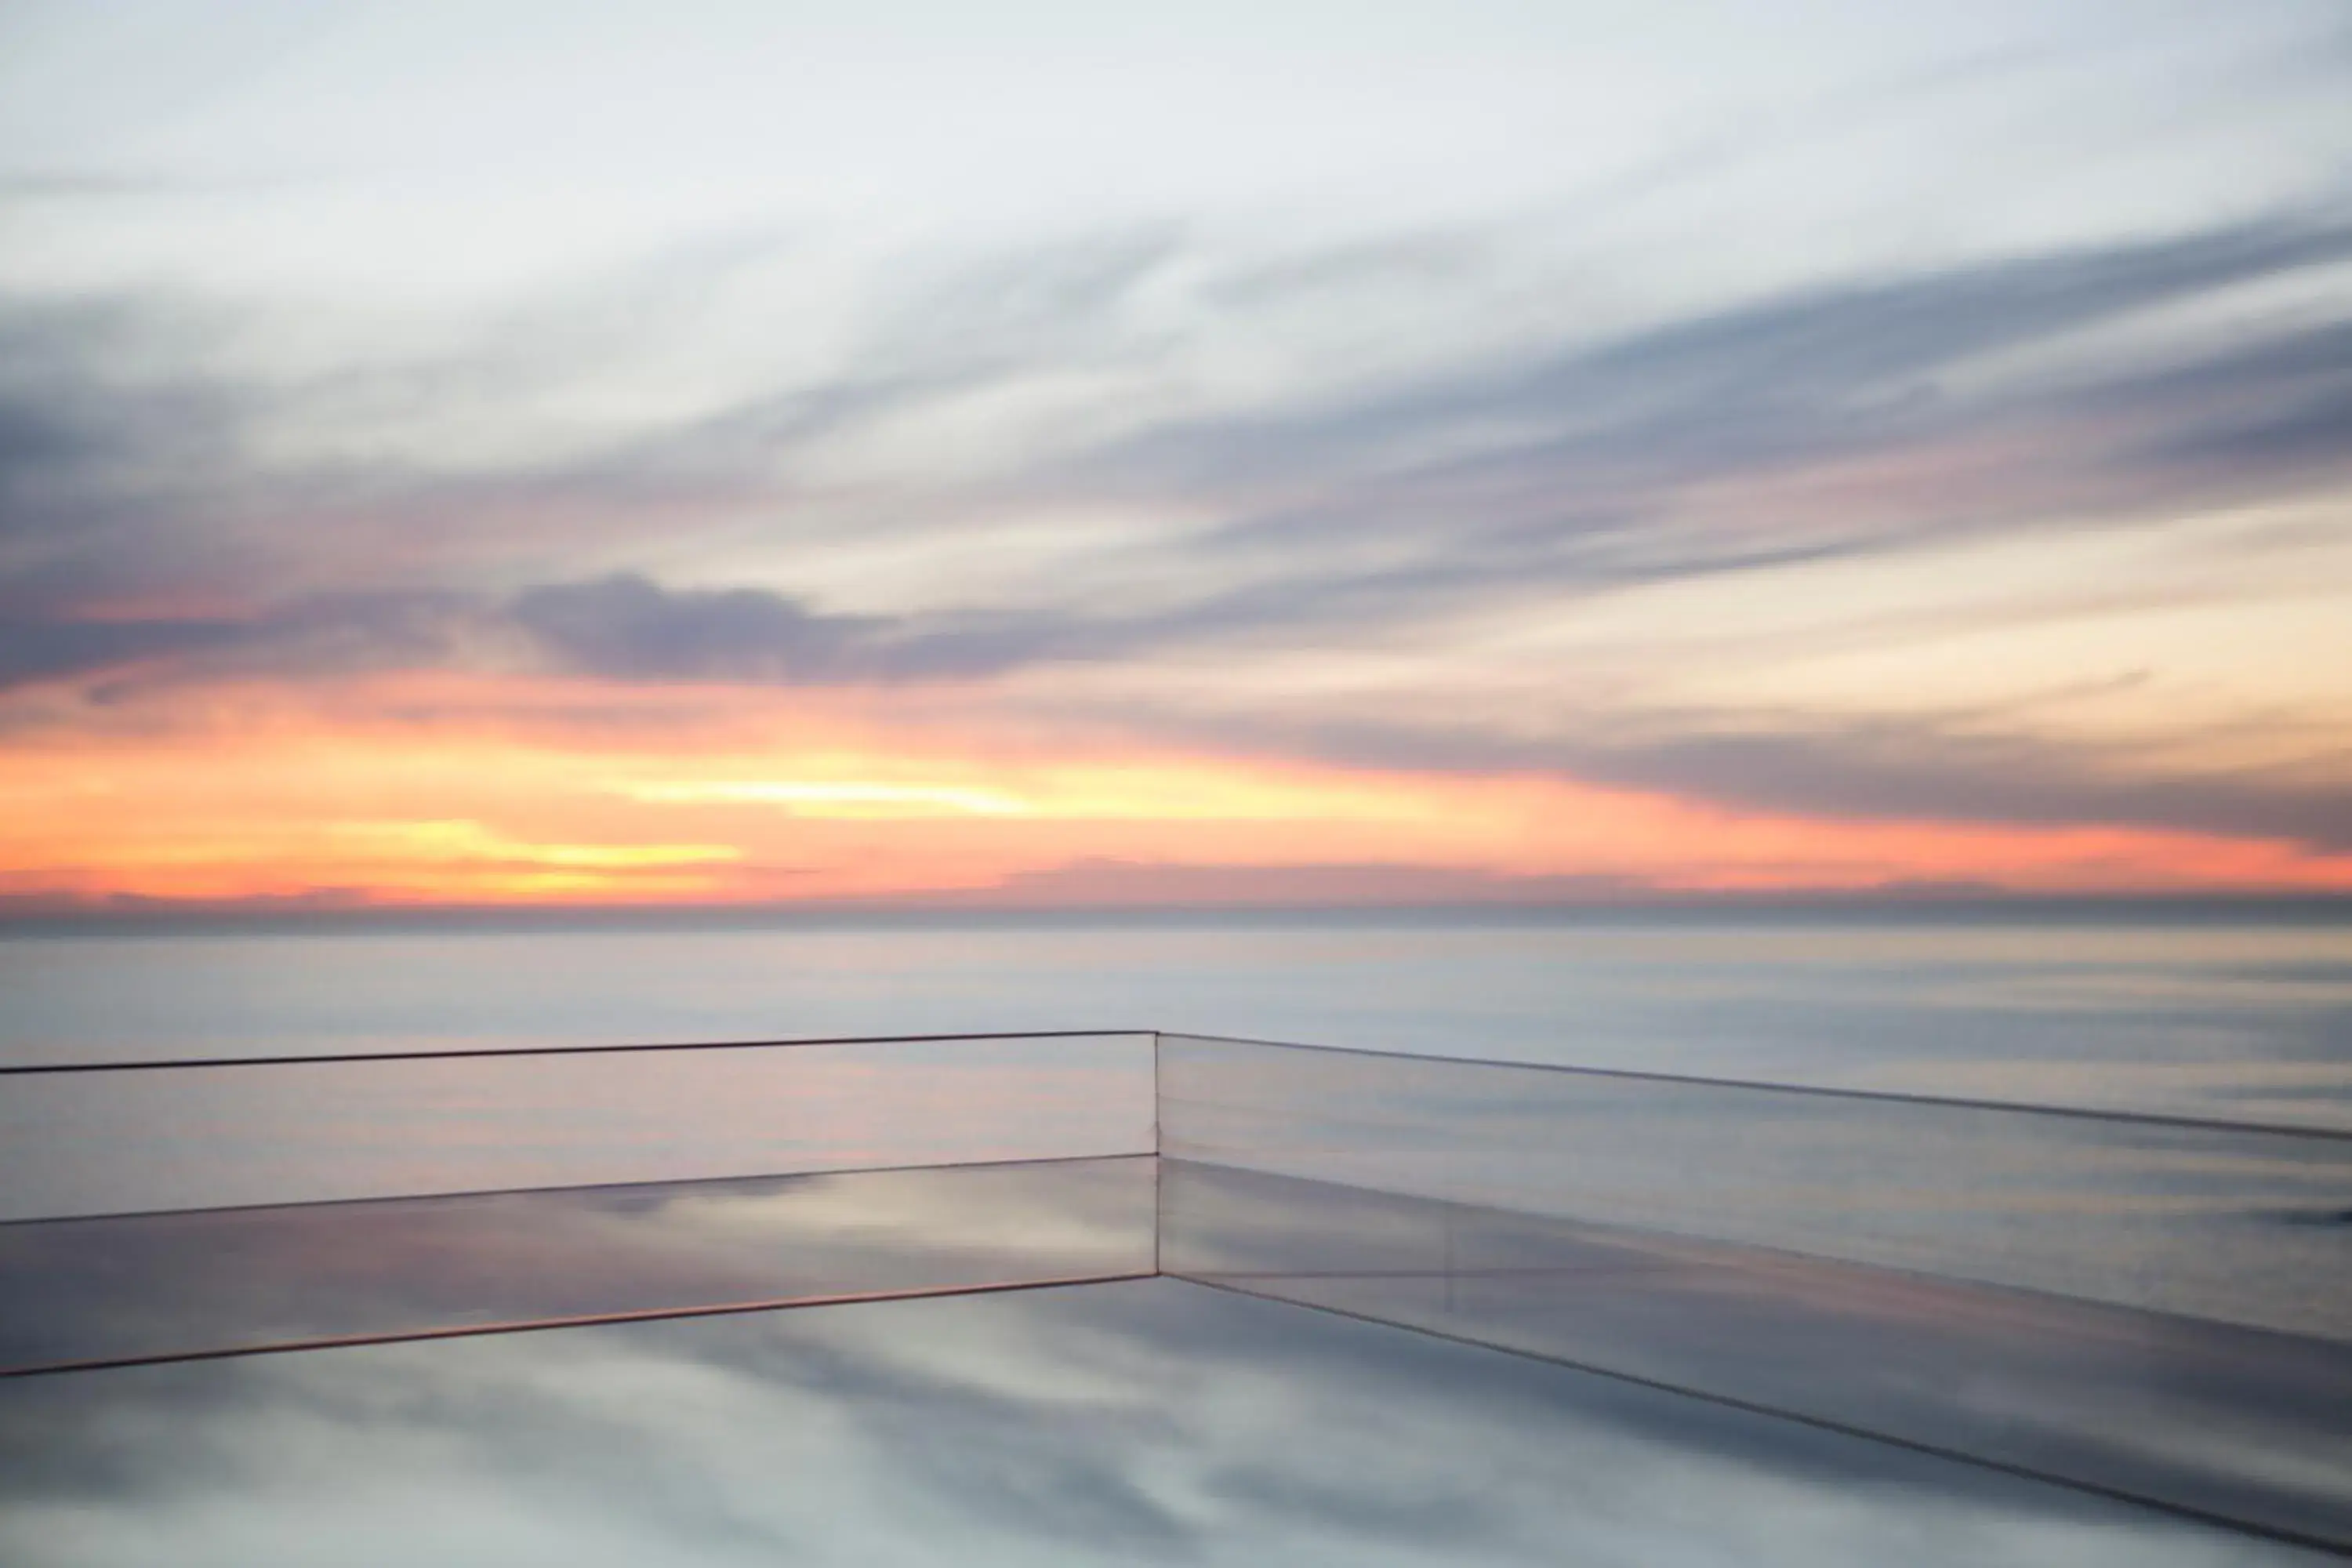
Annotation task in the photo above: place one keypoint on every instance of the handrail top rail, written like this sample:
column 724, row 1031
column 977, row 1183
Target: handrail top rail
column 1697, row 1080
column 1822, row 1091
column 608, row 1048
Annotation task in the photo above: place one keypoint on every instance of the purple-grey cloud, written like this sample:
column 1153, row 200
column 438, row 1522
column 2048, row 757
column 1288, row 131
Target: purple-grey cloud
column 620, row 627
column 1563, row 467
column 1880, row 769
column 1542, row 468
column 1542, row 472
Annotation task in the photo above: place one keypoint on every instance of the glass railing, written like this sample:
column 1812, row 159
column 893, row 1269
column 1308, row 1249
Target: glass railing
column 2154, row 1307
column 2151, row 1307
column 166, row 1210
column 2241, row 1224
column 136, row 1137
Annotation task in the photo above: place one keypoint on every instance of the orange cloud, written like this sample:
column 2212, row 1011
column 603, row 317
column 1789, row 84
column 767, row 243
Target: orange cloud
column 436, row 792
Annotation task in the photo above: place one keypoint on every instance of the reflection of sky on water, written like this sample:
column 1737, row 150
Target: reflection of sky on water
column 1141, row 1423
column 2250, row 1020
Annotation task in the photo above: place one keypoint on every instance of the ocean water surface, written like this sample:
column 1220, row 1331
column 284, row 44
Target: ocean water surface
column 2239, row 1017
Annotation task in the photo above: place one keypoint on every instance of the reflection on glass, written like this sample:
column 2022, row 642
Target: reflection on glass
column 2244, row 1424
column 83, row 1290
column 1742, row 1242
column 2248, row 1226
column 120, row 1141
column 1154, row 1421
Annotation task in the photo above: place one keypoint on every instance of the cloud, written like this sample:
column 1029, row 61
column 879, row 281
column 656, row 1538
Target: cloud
column 1540, row 464
column 1567, row 468
column 1881, row 769
column 153, row 534
column 630, row 628
column 1110, row 882
column 112, row 474
column 1912, row 772
column 622, row 627
column 39, row 650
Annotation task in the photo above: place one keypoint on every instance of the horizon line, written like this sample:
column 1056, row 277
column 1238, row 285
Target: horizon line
column 33, row 915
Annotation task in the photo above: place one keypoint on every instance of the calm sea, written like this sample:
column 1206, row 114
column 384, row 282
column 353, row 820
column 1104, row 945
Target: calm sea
column 2242, row 1016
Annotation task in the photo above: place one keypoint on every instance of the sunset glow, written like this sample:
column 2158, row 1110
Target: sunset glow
column 376, row 814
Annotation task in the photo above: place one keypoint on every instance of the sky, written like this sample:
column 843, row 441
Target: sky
column 1038, row 453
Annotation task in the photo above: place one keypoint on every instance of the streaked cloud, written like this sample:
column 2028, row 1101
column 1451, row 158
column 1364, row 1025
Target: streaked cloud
column 849, row 799
column 462, row 840
column 1879, row 424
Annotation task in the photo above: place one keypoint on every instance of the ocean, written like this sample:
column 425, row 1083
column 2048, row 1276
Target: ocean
column 2208, row 1011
